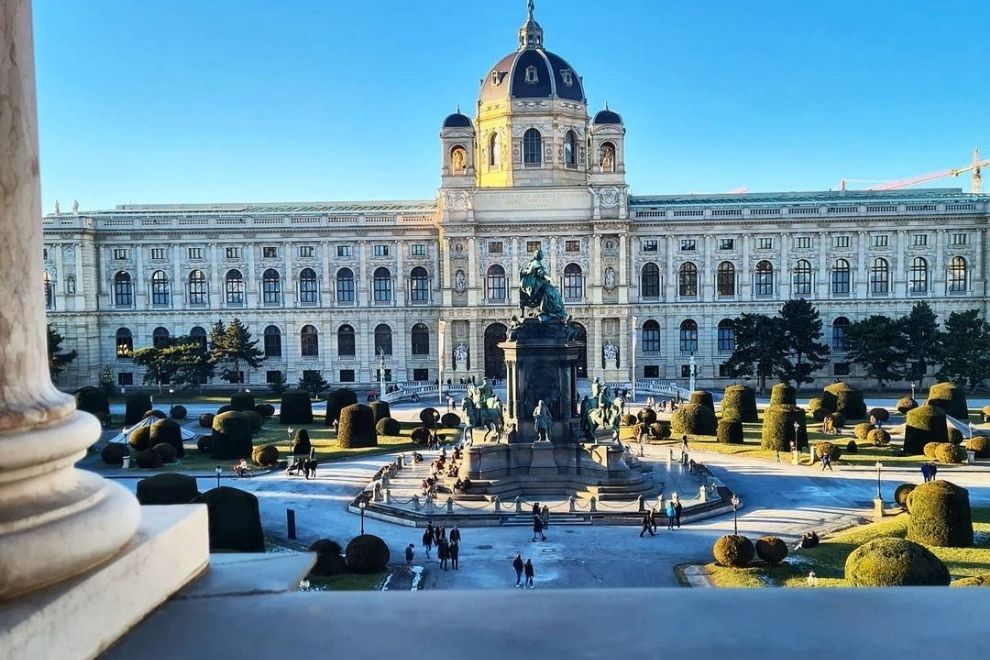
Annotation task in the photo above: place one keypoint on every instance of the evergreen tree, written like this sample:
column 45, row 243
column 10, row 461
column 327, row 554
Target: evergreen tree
column 761, row 349
column 189, row 362
column 876, row 344
column 922, row 341
column 157, row 371
column 965, row 351
column 313, row 382
column 231, row 345
column 57, row 362
column 107, row 383
column 802, row 327
column 277, row 384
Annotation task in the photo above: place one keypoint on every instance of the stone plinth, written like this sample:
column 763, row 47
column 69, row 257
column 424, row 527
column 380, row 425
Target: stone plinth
column 542, row 463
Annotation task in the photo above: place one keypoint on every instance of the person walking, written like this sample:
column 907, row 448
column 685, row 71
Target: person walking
column 925, row 472
column 428, row 540
column 932, row 471
column 669, row 510
column 409, row 558
column 450, row 403
column 545, row 516
column 455, row 550
column 529, row 573
column 517, row 564
column 677, row 513
column 652, row 513
column 443, row 553
column 538, row 528
column 826, row 461
column 455, row 535
column 647, row 526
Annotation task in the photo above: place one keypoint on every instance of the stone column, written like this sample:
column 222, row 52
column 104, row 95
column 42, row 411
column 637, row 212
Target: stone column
column 55, row 521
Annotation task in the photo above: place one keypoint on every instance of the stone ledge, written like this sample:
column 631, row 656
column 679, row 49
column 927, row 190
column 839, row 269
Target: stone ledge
column 83, row 616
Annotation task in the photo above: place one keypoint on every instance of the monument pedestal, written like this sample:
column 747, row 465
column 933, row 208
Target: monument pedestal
column 542, row 463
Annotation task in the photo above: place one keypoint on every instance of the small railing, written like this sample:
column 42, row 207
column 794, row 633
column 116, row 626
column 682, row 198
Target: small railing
column 423, row 392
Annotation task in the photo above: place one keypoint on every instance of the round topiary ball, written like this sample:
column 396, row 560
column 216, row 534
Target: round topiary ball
column 265, row 455
column 940, row 515
column 140, row 438
column 421, row 435
column 169, row 432
column 843, row 398
column 979, row 445
column 242, row 401
column 178, row 412
column 301, row 445
column 778, row 428
column 924, row 424
column 901, row 494
column 879, row 437
column 429, row 417
column 905, row 404
column 266, row 410
column 771, row 549
column 890, row 562
column 702, row 398
column 114, row 453
column 380, row 409
column 954, row 435
column 782, row 393
column 862, row 430
column 147, row 459
column 137, row 405
column 232, row 434
column 388, row 426
column 733, row 551
column 694, row 419
column 852, row 447
column 450, row 420
column 329, row 561
column 367, row 553
column 357, row 428
column 647, row 416
column 157, row 414
column 930, row 448
column 948, row 453
column 972, row 581
column 206, row 420
column 166, row 452
column 660, row 431
column 739, row 401
column 950, row 398
column 337, row 400
column 730, row 432
column 880, row 414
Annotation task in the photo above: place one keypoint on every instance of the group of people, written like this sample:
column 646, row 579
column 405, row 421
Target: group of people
column 523, row 569
column 541, row 520
column 242, row 469
column 447, row 549
column 664, row 406
column 672, row 510
column 305, row 465
column 443, row 469
column 928, row 471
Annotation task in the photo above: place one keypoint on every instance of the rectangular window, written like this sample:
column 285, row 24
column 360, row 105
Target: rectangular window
column 418, row 250
column 766, row 244
column 688, row 245
column 726, row 339
column 533, row 246
column 840, row 241
column 651, row 371
column 919, row 240
column 380, row 250
column 388, row 375
column 726, row 243
column 233, row 252
column 802, row 242
column 195, row 253
column 305, row 251
column 421, row 375
column 273, row 377
column 344, row 251
column 723, row 371
column 495, row 247
column 44, row 253
column 120, row 254
column 685, row 371
column 158, row 254
column 346, row 375
column 881, row 240
column 125, row 378
column 840, row 369
column 269, row 252
column 572, row 246
column 649, row 246
column 959, row 239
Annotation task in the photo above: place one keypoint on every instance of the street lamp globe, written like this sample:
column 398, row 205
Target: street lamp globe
column 218, row 470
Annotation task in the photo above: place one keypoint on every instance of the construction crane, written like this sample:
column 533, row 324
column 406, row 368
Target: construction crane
column 975, row 167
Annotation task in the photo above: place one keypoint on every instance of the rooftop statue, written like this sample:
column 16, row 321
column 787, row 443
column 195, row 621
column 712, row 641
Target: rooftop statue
column 536, row 291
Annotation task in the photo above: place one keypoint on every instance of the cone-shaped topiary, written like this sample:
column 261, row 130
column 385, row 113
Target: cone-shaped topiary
column 357, row 428
column 429, row 417
column 266, row 410
column 901, row 494
column 703, row 398
column 771, row 549
column 265, row 455
column 451, row 420
column 337, row 401
column 206, row 420
column 924, row 424
column 940, row 515
column 843, row 398
column 739, row 402
column 388, row 426
column 889, row 562
column 647, row 416
column 147, row 459
column 94, row 401
column 329, row 561
column 367, row 553
column 862, row 430
column 979, row 445
column 167, row 488
column 734, row 551
column 380, row 409
column 905, row 404
column 169, row 432
column 165, row 451
column 946, row 452
column 880, row 414
column 949, row 397
column 137, row 405
column 783, row 393
column 114, row 452
column 140, row 438
column 235, row 521
column 242, row 401
column 694, row 419
column 301, row 445
column 296, row 408
column 879, row 437
column 231, row 436
column 778, row 428
column 730, row 432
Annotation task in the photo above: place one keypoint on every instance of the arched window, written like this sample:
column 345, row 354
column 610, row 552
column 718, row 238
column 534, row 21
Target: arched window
column 49, row 292
column 651, row 337
column 234, row 287
column 159, row 288
column 840, row 277
column 273, row 341
column 123, row 290
column 345, row 340
column 649, row 281
column 420, row 340
column 573, row 282
column 495, row 283
column 689, row 336
column 725, row 280
column 198, row 289
column 802, row 278
column 345, row 285
column 383, row 339
column 271, row 287
column 726, row 336
column 125, row 342
column 608, row 157
column 688, row 280
column 570, row 149
column 495, row 150
column 159, row 337
column 309, row 286
column 70, row 284
column 763, row 282
column 198, row 335
column 419, row 285
column 958, row 278
column 532, row 148
column 919, row 276
column 383, row 285
column 880, row 277
column 458, row 160
column 309, row 341
column 839, row 328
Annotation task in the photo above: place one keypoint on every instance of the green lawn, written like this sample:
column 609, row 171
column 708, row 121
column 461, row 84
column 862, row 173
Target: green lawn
column 349, row 582
column 829, row 558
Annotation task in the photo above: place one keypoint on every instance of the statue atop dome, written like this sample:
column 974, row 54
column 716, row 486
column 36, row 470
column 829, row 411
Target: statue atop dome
column 530, row 33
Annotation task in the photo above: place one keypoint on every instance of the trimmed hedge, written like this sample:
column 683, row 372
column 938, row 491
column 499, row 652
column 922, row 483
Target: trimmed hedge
column 451, row 420
column 703, row 398
column 329, row 561
column 879, row 437
column 137, row 405
column 980, row 445
column 949, row 397
column 429, row 417
column 782, row 393
column 167, row 488
column 862, row 430
column 940, row 515
column 833, row 450
column 266, row 410
column 946, row 452
column 647, row 416
column 367, row 553
column 114, row 452
column 296, row 408
column 843, row 398
column 94, row 401
column 819, row 414
column 695, row 419
column 147, row 459
column 178, row 412
column 629, row 420
column 924, row 424
column 660, row 430
column 771, row 549
column 169, row 432
column 880, row 414
column 166, row 452
column 231, row 436
column 901, row 494
column 235, row 521
column 301, row 445
column 337, row 400
column 778, row 428
column 140, row 438
column 889, row 562
column 421, row 435
column 730, row 432
column 265, row 455
column 739, row 401
column 388, row 426
column 357, row 427
column 242, row 401
column 733, row 551
column 905, row 404
column 972, row 581
column 206, row 420
column 852, row 447
column 380, row 409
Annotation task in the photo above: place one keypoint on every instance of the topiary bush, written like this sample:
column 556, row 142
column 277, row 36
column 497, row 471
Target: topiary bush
column 946, row 452
column 94, row 401
column 167, row 488
column 429, row 417
column 147, row 459
column 771, row 549
column 381, row 410
column 301, row 445
column 940, row 515
column 421, row 435
column 178, row 412
column 905, row 404
column 879, row 437
column 231, row 436
column 169, row 432
column 137, row 405
column 166, row 452
column 695, row 419
column 730, row 432
column 880, row 414
column 140, row 438
column 242, row 401
column 985, row 410
column 388, row 426
column 203, row 444
column 838, row 420
column 647, row 416
column 265, row 455
column 733, row 551
column 660, row 431
column 862, row 430
column 451, row 420
column 296, row 408
column 778, row 428
column 702, row 398
column 114, row 452
column 972, row 581
column 979, row 445
column 924, row 424
column 206, row 420
column 929, row 449
column 739, row 401
column 337, row 400
column 225, row 408
column 367, row 553
column 329, row 561
column 629, row 420
column 819, row 414
column 157, row 414
column 843, row 398
column 814, row 403
column 782, row 393
column 901, row 494
column 833, row 451
column 954, row 435
column 357, row 427
column 890, row 562
column 266, row 410
column 257, row 421
column 950, row 398
column 852, row 447
column 235, row 521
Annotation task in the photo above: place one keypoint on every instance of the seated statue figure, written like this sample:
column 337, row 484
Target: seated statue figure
column 536, row 290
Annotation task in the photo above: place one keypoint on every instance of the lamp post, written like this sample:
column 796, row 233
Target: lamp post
column 218, row 471
column 381, row 373
column 879, row 468
column 913, row 385
column 361, row 506
column 735, row 518
column 171, row 399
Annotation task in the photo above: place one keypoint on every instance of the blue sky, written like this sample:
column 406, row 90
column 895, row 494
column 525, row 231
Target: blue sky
column 204, row 100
